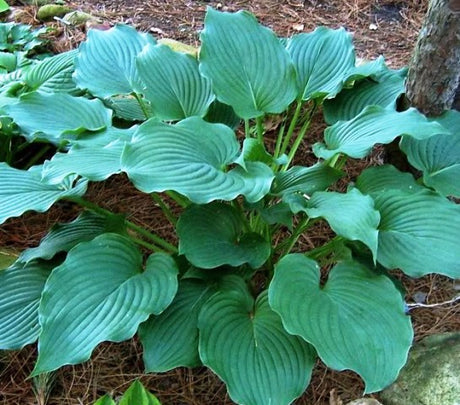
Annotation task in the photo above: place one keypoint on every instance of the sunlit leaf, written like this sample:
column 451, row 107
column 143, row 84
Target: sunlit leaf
column 248, row 66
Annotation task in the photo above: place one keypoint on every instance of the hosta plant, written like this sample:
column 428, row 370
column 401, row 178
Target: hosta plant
column 214, row 140
column 21, row 47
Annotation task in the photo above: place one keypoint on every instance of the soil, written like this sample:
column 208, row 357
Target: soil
column 379, row 27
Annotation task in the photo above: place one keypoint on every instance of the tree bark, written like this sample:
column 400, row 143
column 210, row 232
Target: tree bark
column 433, row 82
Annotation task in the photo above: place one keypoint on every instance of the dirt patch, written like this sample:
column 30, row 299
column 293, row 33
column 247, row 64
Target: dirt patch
column 388, row 28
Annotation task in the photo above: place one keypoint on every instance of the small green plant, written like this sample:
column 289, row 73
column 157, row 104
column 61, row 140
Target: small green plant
column 136, row 394
column 19, row 52
column 236, row 295
column 4, row 6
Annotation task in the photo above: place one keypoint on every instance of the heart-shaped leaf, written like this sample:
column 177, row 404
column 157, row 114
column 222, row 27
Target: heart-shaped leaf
column 21, row 191
column 351, row 215
column 245, row 344
column 36, row 113
column 96, row 157
column 383, row 90
column 365, row 330
column 212, row 235
column 53, row 74
column 106, row 62
column 170, row 339
column 247, row 64
column 63, row 237
column 439, row 156
column 373, row 125
column 191, row 158
column 173, row 83
column 19, row 299
column 418, row 233
column 99, row 293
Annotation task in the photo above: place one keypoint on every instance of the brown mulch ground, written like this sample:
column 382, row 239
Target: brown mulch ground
column 380, row 27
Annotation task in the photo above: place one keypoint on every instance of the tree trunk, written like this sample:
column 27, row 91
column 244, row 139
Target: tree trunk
column 433, row 83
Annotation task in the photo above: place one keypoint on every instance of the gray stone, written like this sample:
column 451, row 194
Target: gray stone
column 431, row 375
column 79, row 18
column 365, row 401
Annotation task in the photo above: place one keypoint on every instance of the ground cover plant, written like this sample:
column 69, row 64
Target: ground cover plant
column 232, row 296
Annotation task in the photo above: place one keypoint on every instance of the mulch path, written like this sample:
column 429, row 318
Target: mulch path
column 379, row 27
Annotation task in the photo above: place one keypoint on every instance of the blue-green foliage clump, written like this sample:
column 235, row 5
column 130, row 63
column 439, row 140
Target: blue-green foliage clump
column 124, row 104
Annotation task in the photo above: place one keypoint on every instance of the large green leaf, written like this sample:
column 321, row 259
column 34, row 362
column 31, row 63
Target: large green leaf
column 212, row 235
column 106, row 63
column 173, row 83
column 382, row 90
column 63, row 237
column 355, row 321
column 305, row 180
column 21, row 191
column 418, row 233
column 378, row 179
column 351, row 215
column 53, row 74
column 439, row 156
column 21, row 288
column 249, row 67
column 325, row 60
column 373, row 125
column 101, row 292
column 136, row 394
column 170, row 339
column 245, row 344
column 418, row 228
column 191, row 158
column 57, row 116
column 322, row 59
column 95, row 157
